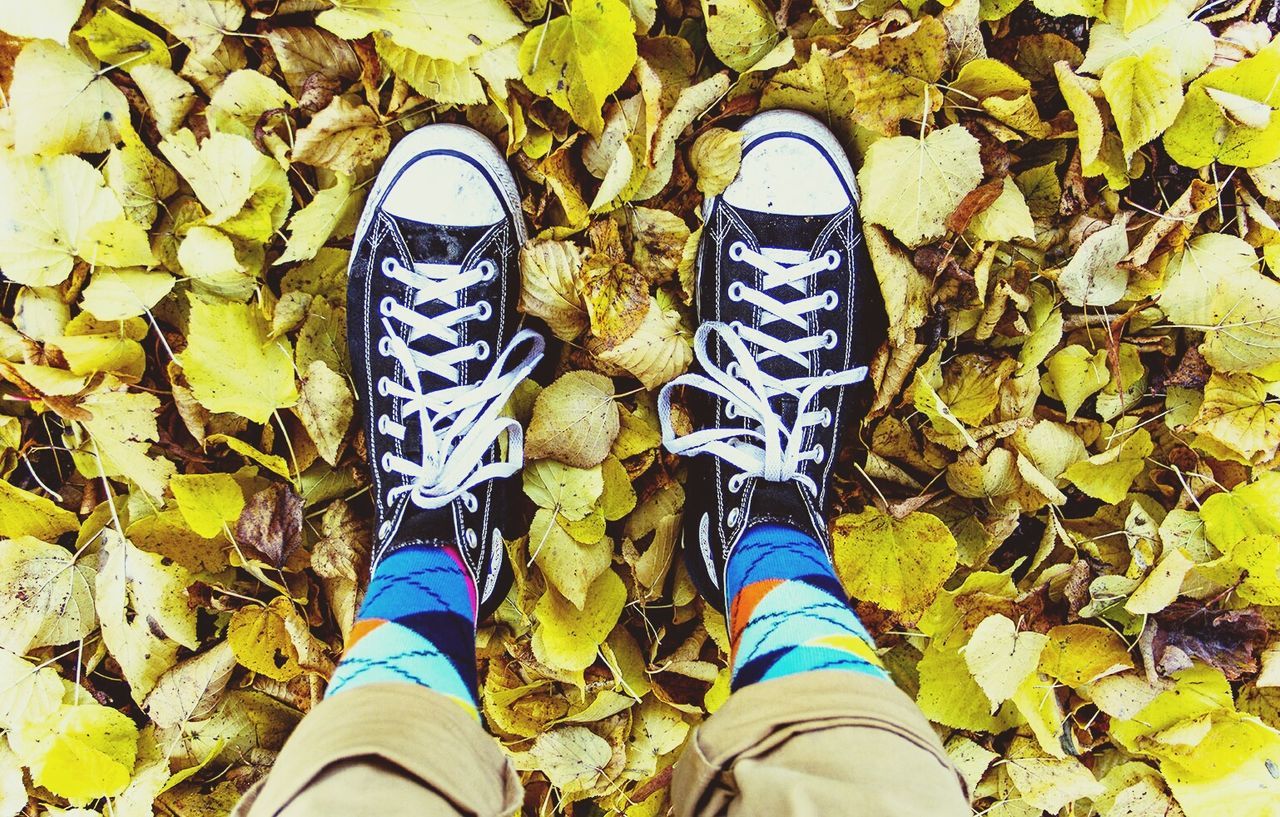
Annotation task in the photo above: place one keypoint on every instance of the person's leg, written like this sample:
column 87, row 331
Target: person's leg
column 813, row 725
column 436, row 352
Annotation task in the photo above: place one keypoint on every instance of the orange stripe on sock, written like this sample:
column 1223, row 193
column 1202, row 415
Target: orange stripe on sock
column 744, row 603
column 362, row 628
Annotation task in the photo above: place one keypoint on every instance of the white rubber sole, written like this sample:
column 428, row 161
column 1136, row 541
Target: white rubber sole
column 444, row 194
column 783, row 154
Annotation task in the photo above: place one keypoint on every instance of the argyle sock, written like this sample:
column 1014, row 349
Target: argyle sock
column 417, row 625
column 788, row 612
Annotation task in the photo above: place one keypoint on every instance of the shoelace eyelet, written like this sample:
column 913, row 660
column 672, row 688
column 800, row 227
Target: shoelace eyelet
column 832, row 258
column 819, row 453
column 488, row 270
column 830, row 339
column 384, row 386
column 735, row 483
column 383, row 423
column 470, row 502
column 389, row 264
column 832, row 300
column 730, row 411
column 826, row 417
column 387, row 462
column 386, row 305
column 731, row 518
column 483, row 311
column 735, row 291
column 482, row 350
column 384, row 530
column 384, row 346
column 472, row 537
column 736, row 250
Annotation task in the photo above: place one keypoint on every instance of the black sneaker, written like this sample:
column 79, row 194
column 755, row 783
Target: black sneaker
column 437, row 350
column 781, row 276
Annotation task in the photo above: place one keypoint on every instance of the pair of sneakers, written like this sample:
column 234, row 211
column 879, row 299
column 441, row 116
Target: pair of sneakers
column 437, row 347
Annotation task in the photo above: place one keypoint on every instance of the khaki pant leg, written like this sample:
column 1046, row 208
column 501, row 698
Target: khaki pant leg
column 393, row 750
column 817, row 743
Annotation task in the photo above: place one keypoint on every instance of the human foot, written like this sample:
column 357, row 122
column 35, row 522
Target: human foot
column 434, row 344
column 781, row 285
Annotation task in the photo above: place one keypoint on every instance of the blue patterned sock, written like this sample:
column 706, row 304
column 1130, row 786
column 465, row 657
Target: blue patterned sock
column 788, row 612
column 417, row 625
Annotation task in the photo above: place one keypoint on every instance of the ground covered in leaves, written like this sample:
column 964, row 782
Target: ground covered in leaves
column 1060, row 516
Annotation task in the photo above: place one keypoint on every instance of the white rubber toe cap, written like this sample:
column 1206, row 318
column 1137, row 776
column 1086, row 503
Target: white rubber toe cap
column 791, row 165
column 449, row 175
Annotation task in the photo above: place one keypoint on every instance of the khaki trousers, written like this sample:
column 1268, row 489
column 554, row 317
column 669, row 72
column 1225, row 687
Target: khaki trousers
column 816, row 743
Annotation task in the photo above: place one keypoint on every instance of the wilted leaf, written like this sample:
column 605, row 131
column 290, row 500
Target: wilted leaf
column 575, row 420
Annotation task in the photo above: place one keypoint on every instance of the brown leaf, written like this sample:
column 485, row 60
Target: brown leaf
column 1227, row 639
column 978, row 199
column 271, row 523
column 343, row 137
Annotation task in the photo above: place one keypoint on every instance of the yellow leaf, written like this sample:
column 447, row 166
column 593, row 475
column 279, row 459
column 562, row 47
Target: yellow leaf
column 45, row 595
column 199, row 23
column 1145, row 94
column 209, row 258
column 325, row 406
column 911, row 185
column 311, row 226
column 168, row 534
column 1189, row 40
column 575, row 420
column 275, row 641
column 443, row 29
column 1006, row 218
column 657, row 351
column 578, row 59
column 115, row 294
column 208, row 502
column 740, row 32
column 568, row 565
column 715, row 157
column 1093, row 276
column 47, row 215
column 1108, row 476
column 52, row 20
column 262, row 380
column 1161, row 585
column 1047, row 782
column 141, row 600
column 891, row 76
column 1239, row 414
column 61, row 104
column 572, row 757
column 1214, row 286
column 245, row 192
column 118, row 41
column 547, row 270
column 343, row 137
column 567, row 638
column 241, row 98
column 87, row 751
column 169, row 97
column 570, row 492
column 1083, row 106
column 1000, row 658
column 1076, row 375
column 1079, row 654
column 28, row 693
column 121, row 428
column 898, row 564
column 23, row 513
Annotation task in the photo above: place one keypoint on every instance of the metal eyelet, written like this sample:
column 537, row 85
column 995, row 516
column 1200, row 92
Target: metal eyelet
column 735, row 291
column 731, row 518
column 383, row 422
column 826, row 418
column 482, row 350
column 388, row 265
column 471, row 503
column 820, row 453
column 736, row 326
column 384, row 386
column 831, row 299
column 735, row 483
column 484, row 311
column 488, row 270
column 471, row 537
column 730, row 411
column 832, row 258
column 386, row 461
column 830, row 339
column 736, row 250
column 386, row 305
column 384, row 346
column 384, row 530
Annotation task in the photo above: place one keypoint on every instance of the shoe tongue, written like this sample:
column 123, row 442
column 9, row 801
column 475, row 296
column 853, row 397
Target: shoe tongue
column 797, row 234
column 439, row 243
column 782, row 231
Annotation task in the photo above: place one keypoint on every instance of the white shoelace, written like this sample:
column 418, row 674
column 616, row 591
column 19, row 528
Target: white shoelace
column 766, row 447
column 459, row 423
